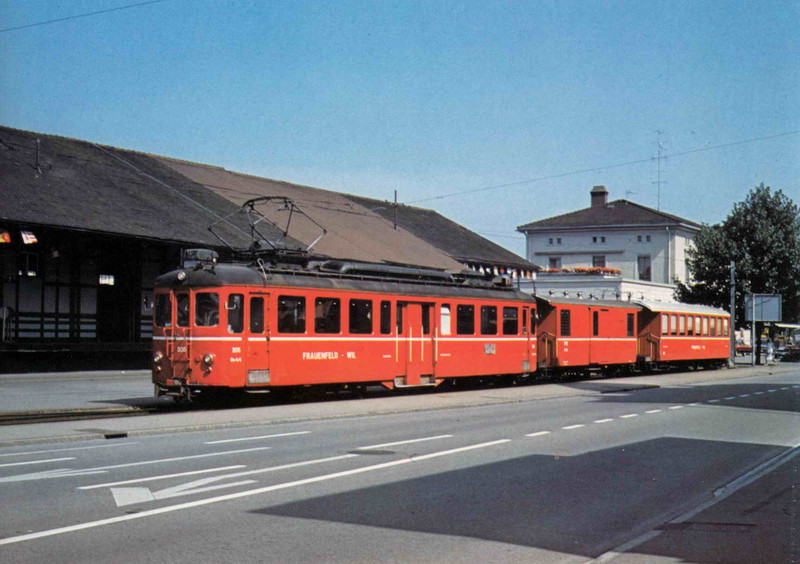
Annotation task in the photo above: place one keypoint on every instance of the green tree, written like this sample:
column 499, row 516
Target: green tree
column 762, row 236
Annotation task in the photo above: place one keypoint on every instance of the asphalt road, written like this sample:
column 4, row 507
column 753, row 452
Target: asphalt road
column 566, row 479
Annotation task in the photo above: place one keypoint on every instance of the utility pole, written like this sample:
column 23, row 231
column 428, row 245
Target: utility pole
column 732, row 327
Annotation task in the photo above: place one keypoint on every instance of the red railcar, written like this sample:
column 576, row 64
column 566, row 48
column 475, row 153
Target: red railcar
column 248, row 327
column 686, row 334
column 577, row 334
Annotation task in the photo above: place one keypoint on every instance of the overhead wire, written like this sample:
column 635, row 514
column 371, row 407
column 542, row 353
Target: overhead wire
column 597, row 168
column 77, row 16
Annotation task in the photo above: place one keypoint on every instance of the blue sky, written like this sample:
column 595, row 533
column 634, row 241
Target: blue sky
column 430, row 98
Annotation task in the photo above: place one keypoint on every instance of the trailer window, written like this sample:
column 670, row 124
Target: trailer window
column 566, row 323
column 725, row 328
column 206, row 309
column 327, row 315
column 664, row 324
column 361, row 317
column 386, row 318
column 465, row 320
column 510, row 321
column 163, row 310
column 682, row 324
column 256, row 315
column 673, row 324
column 690, row 325
column 705, row 326
column 444, row 319
column 595, row 323
column 631, row 318
column 488, row 320
column 292, row 314
column 235, row 309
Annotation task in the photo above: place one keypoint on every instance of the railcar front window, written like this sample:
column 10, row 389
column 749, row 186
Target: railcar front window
column 182, row 310
column 465, row 320
column 256, row 315
column 206, row 309
column 327, row 315
column 163, row 310
column 235, row 309
column 510, row 321
column 292, row 314
column 361, row 317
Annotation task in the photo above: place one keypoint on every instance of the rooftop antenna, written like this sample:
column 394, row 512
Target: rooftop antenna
column 659, row 182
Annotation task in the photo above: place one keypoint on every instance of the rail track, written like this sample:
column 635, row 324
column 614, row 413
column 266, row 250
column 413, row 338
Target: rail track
column 53, row 416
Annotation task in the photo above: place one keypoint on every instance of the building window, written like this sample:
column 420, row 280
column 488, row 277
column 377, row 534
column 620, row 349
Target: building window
column 550, row 241
column 644, row 269
column 648, row 238
column 555, row 262
column 639, row 238
column 599, row 261
column 558, row 240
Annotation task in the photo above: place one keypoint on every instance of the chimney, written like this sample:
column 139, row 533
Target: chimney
column 599, row 196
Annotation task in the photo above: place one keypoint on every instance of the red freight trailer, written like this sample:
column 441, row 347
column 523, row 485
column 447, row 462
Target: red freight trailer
column 683, row 334
column 577, row 334
column 240, row 327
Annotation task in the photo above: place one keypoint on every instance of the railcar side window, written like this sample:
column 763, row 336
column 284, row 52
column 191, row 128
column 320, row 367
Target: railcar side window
column 426, row 319
column 444, row 319
column 465, row 320
column 292, row 314
column 361, row 317
column 183, row 310
column 235, row 310
column 327, row 315
column 525, row 321
column 386, row 318
column 566, row 323
column 595, row 323
column 399, row 319
column 256, row 315
column 488, row 320
column 163, row 310
column 533, row 320
column 510, row 321
column 631, row 319
column 206, row 309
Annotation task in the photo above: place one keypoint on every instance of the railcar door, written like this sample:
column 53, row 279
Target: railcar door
column 415, row 344
column 258, row 342
column 179, row 345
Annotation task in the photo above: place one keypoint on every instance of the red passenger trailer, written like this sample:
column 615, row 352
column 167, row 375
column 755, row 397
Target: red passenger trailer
column 683, row 334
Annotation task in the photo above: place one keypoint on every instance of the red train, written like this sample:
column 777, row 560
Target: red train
column 255, row 328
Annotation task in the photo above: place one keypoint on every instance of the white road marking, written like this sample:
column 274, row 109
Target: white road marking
column 771, row 391
column 66, row 449
column 744, row 396
column 677, row 407
column 759, row 393
column 570, row 427
column 67, row 472
column 256, row 438
column 604, row 421
column 35, row 462
column 538, row 434
column 731, row 398
column 406, row 442
column 239, row 495
column 162, row 477
column 713, row 401
column 629, row 416
column 654, row 411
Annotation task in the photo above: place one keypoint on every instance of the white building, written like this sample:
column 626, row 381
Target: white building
column 618, row 248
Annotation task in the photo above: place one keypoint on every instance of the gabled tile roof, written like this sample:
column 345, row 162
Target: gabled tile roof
column 67, row 183
column 456, row 240
column 616, row 213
